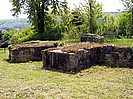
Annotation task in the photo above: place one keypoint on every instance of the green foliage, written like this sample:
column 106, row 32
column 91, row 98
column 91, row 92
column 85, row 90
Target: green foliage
column 127, row 4
column 107, row 25
column 18, row 36
column 7, row 35
column 51, row 20
column 104, row 24
column 125, row 24
column 129, row 7
column 96, row 15
column 74, row 31
column 116, row 27
column 38, row 12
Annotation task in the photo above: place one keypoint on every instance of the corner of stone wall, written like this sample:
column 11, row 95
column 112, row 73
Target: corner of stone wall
column 84, row 58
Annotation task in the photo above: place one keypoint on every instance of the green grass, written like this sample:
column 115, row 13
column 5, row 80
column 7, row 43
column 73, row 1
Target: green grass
column 128, row 42
column 29, row 81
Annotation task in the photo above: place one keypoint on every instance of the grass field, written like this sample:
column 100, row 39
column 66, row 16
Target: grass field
column 128, row 42
column 29, row 81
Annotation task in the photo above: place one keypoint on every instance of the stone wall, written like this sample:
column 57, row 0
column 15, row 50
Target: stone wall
column 92, row 38
column 116, row 56
column 28, row 52
column 87, row 57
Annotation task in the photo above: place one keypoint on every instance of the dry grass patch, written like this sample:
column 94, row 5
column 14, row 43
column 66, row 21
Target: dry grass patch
column 76, row 47
column 36, row 44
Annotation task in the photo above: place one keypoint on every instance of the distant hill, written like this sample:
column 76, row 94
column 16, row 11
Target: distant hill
column 21, row 23
column 13, row 23
column 114, row 13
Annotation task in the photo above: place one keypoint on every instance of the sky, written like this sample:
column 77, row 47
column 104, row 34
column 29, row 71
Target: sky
column 108, row 6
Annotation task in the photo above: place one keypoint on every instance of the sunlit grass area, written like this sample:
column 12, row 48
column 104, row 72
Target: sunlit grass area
column 128, row 42
column 29, row 81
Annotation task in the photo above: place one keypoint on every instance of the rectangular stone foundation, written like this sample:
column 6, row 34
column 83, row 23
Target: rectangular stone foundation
column 87, row 57
column 28, row 52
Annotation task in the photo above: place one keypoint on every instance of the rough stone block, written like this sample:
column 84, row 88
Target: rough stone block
column 87, row 57
column 92, row 38
column 28, row 52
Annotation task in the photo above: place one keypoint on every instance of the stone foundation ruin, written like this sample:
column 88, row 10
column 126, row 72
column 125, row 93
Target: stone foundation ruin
column 89, row 55
column 92, row 38
column 29, row 52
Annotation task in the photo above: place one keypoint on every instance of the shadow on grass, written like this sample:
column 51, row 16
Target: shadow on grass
column 61, row 70
column 76, row 71
column 70, row 71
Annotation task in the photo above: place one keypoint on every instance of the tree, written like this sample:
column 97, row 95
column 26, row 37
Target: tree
column 107, row 25
column 77, row 22
column 91, row 15
column 38, row 12
column 127, row 4
column 124, row 24
column 129, row 7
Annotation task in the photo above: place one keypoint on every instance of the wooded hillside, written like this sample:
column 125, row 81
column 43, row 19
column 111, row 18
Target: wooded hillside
column 13, row 23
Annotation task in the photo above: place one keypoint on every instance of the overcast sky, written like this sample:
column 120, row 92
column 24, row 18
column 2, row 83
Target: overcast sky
column 108, row 6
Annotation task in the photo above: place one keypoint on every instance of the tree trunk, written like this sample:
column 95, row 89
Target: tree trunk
column 42, row 19
column 40, row 15
column 91, row 24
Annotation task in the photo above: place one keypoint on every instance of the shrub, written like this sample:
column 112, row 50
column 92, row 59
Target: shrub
column 18, row 36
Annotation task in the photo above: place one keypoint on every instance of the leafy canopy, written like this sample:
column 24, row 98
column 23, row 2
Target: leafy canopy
column 38, row 12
